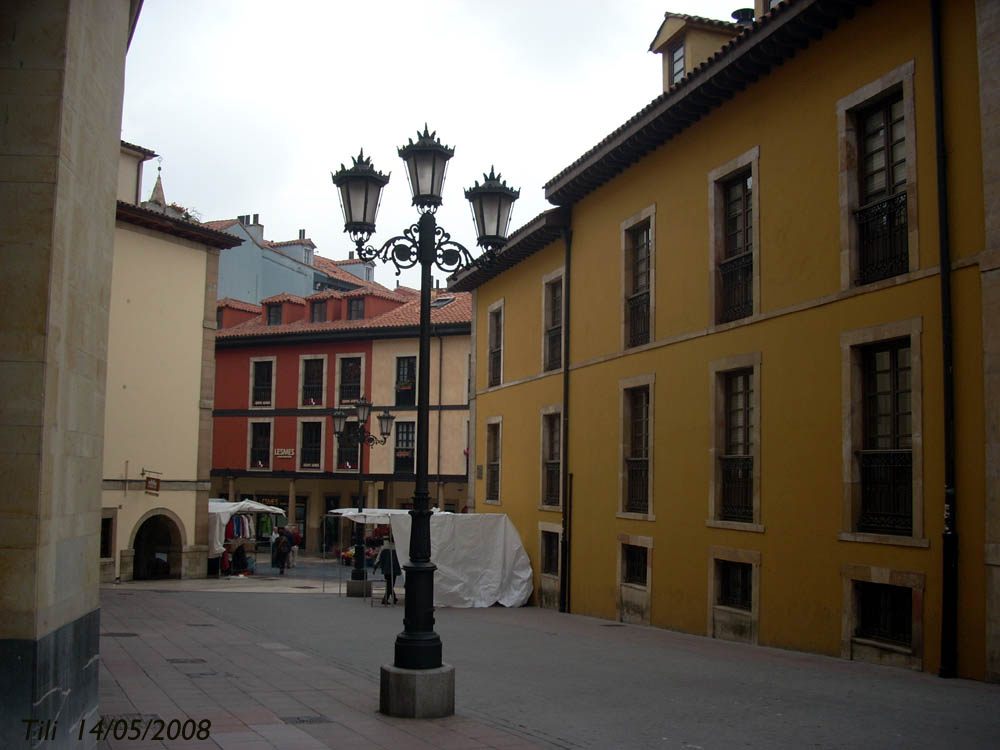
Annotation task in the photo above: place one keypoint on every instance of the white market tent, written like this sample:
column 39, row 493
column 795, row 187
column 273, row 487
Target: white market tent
column 219, row 513
column 479, row 556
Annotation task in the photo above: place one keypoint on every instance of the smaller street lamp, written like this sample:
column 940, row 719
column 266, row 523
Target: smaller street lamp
column 358, row 585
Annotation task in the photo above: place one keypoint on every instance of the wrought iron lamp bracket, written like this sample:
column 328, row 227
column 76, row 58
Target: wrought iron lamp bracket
column 403, row 251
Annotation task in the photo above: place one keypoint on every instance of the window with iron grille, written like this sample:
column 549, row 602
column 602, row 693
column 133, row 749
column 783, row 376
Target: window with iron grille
column 350, row 379
column 637, row 450
column 736, row 267
column 312, row 439
column 261, row 389
column 405, row 441
column 886, row 460
column 317, row 313
column 734, row 583
column 676, row 64
column 634, row 564
column 551, row 477
column 496, row 346
column 312, row 382
column 736, row 464
column 883, row 249
column 406, row 381
column 274, row 315
column 260, row 445
column 553, row 324
column 637, row 300
column 550, row 553
column 884, row 612
column 356, row 308
column 493, row 461
column 347, row 447
column 107, row 534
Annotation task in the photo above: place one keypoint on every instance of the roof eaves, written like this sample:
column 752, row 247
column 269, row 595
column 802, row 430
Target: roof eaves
column 189, row 230
column 146, row 153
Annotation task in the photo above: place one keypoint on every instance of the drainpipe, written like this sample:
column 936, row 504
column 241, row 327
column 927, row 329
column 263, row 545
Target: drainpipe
column 949, row 537
column 567, row 480
column 440, row 411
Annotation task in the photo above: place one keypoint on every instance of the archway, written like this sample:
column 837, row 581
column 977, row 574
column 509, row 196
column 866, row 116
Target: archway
column 157, row 548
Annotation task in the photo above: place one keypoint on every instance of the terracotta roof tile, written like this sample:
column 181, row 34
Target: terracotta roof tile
column 304, row 241
column 283, row 297
column 236, row 304
column 221, row 224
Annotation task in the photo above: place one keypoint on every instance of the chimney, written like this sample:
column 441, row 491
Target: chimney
column 302, row 234
column 256, row 218
column 743, row 17
column 350, row 255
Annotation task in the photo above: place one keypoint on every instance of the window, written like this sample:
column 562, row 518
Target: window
column 883, row 618
column 637, row 450
column 884, row 613
column 496, row 344
column 260, row 445
column 350, row 379
column 406, row 381
column 637, row 299
column 261, row 382
column 347, row 448
column 635, row 602
column 274, row 315
column 311, row 445
column 735, row 584
column 317, row 312
column 551, row 475
column 736, row 268
column 356, row 308
column 313, row 372
column 736, row 469
column 107, row 536
column 885, row 461
column 734, row 594
column 405, row 440
column 218, row 317
column 493, row 461
column 634, row 564
column 877, row 179
column 550, row 553
column 676, row 63
column 553, row 314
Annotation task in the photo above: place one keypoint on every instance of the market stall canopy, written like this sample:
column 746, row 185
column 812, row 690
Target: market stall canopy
column 219, row 513
column 369, row 515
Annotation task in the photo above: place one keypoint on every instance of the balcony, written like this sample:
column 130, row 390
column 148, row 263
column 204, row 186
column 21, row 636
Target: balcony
column 883, row 249
column 350, row 391
column 736, row 288
column 553, row 348
column 495, row 359
column 737, row 489
column 637, row 314
column 493, row 481
column 552, row 483
column 312, row 394
column 886, row 492
column 637, row 488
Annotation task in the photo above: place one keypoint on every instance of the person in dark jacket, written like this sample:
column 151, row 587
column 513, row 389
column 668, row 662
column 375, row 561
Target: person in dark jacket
column 389, row 564
column 281, row 549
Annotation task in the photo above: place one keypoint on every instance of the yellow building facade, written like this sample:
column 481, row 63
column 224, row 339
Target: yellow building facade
column 749, row 441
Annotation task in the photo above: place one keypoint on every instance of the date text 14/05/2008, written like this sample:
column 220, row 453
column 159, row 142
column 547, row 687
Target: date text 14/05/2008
column 147, row 729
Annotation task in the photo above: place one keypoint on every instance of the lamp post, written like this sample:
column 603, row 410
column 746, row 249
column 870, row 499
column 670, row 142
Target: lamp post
column 358, row 585
column 417, row 670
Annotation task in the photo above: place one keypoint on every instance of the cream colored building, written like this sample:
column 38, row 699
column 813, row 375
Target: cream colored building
column 160, row 384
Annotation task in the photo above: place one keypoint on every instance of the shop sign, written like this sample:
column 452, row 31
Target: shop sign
column 152, row 486
column 284, row 453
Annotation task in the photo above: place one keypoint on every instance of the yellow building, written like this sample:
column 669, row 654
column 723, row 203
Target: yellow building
column 745, row 279
column 160, row 385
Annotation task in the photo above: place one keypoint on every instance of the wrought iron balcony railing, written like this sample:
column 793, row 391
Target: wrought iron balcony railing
column 553, row 348
column 637, row 489
column 638, row 319
column 552, row 483
column 736, row 277
column 350, row 391
column 495, row 359
column 883, row 249
column 737, row 488
column 886, row 492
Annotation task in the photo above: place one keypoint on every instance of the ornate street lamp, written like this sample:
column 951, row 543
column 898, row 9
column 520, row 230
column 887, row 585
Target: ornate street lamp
column 417, row 664
column 363, row 408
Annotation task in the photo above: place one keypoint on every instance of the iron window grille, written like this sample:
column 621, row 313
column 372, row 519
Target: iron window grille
column 637, row 460
column 493, row 462
column 884, row 613
column 637, row 301
column 406, row 381
column 550, row 553
column 496, row 346
column 317, row 313
column 405, row 435
column 356, row 309
column 553, row 325
column 886, row 461
column 736, row 465
column 736, row 267
column 262, row 372
column 350, row 379
column 735, row 582
column 260, row 445
column 274, row 315
column 552, row 478
column 348, row 446
column 312, row 382
column 634, row 564
column 312, row 436
column 883, row 249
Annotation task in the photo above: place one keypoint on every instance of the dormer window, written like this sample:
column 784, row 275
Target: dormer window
column 317, row 313
column 356, row 309
column 274, row 315
column 676, row 55
column 442, row 301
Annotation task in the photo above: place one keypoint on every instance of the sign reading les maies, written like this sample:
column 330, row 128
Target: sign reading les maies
column 284, row 452
column 152, row 486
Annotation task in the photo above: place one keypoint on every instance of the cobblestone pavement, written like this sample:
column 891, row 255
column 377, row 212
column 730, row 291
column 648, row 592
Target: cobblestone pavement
column 288, row 662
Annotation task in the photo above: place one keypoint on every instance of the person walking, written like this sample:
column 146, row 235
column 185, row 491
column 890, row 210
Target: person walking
column 282, row 548
column 389, row 564
column 296, row 541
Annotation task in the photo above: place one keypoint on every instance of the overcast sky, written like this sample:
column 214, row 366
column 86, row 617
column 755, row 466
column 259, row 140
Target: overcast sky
column 252, row 103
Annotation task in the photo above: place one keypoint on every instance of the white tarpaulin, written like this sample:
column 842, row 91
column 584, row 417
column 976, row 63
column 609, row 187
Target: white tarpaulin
column 219, row 513
column 369, row 515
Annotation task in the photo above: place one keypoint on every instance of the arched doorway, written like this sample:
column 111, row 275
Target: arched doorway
column 157, row 549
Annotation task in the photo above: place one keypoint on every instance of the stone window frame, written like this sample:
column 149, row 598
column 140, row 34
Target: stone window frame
column 552, row 528
column 395, row 442
column 849, row 188
column 547, row 411
column 274, row 381
column 548, row 279
column 498, row 305
column 298, row 443
column 497, row 420
column 302, row 378
column 641, row 592
column 111, row 513
column 717, row 180
column 270, row 450
column 852, row 427
column 717, row 370
column 415, row 356
column 645, row 216
column 752, row 617
column 336, row 376
column 856, row 648
column 336, row 450
column 636, row 381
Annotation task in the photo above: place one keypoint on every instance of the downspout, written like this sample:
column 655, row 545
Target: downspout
column 567, row 484
column 440, row 411
column 949, row 537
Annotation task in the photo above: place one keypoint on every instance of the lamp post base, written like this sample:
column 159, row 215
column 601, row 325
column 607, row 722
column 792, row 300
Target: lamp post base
column 417, row 693
column 359, row 587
